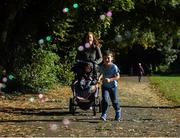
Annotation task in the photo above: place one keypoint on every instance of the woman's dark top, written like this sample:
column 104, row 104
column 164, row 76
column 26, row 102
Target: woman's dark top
column 92, row 54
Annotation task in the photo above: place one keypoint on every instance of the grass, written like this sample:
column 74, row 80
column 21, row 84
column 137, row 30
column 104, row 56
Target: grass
column 169, row 86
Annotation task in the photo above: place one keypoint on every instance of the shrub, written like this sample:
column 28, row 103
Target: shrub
column 65, row 74
column 41, row 73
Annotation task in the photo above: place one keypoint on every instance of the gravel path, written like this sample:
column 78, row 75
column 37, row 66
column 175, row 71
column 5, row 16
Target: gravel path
column 144, row 114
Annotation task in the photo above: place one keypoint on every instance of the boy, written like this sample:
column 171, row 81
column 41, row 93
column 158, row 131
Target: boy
column 109, row 76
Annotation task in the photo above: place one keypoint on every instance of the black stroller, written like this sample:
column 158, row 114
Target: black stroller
column 85, row 89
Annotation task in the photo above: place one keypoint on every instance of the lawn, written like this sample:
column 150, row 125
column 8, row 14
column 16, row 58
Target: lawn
column 169, row 86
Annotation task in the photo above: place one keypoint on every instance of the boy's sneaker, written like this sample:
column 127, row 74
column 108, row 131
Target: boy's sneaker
column 103, row 117
column 118, row 115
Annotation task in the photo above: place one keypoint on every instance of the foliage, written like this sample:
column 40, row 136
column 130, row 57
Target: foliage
column 41, row 73
column 65, row 74
column 152, row 24
column 126, row 5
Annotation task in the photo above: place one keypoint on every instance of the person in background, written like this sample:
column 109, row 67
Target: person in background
column 110, row 73
column 140, row 72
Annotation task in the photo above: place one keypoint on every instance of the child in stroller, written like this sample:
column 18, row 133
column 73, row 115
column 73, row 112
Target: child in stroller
column 85, row 88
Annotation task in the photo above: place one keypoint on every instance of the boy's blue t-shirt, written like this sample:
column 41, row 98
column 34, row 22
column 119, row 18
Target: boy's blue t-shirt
column 109, row 72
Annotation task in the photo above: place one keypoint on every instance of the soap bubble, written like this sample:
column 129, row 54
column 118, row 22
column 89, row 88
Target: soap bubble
column 109, row 14
column 11, row 77
column 41, row 41
column 4, row 79
column 65, row 10
column 102, row 17
column 53, row 127
column 80, row 48
column 75, row 5
column 32, row 99
column 87, row 45
column 40, row 96
column 66, row 122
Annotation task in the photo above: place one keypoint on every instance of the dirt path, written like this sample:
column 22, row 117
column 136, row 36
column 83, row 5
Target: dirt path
column 144, row 113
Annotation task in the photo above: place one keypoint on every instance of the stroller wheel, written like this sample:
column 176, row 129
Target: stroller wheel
column 72, row 107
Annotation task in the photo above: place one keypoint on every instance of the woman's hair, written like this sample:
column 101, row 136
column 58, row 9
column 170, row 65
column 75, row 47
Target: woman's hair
column 95, row 40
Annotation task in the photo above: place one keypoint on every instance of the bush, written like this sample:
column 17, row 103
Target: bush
column 41, row 73
column 162, row 69
column 65, row 74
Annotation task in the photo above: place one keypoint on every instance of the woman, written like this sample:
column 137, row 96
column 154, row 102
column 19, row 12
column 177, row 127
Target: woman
column 90, row 50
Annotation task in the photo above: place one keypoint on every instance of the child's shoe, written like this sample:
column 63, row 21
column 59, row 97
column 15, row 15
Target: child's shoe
column 103, row 117
column 118, row 115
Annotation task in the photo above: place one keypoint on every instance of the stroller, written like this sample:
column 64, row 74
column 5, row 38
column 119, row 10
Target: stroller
column 85, row 88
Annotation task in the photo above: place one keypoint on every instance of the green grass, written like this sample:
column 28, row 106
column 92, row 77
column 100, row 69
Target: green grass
column 168, row 86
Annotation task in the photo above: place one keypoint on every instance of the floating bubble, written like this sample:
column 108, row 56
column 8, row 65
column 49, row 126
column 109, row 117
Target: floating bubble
column 75, row 5
column 4, row 79
column 118, row 38
column 109, row 14
column 87, row 45
column 41, row 96
column 53, row 127
column 32, row 99
column 66, row 122
column 41, row 42
column 102, row 17
column 48, row 38
column 80, row 48
column 42, row 100
column 65, row 10
column 11, row 77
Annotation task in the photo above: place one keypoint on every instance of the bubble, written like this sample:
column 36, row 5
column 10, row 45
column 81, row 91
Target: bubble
column 65, row 10
column 48, row 38
column 41, row 41
column 53, row 127
column 87, row 45
column 80, row 48
column 102, row 17
column 41, row 96
column 11, row 77
column 66, row 122
column 32, row 99
column 109, row 14
column 42, row 101
column 118, row 38
column 75, row 5
column 4, row 79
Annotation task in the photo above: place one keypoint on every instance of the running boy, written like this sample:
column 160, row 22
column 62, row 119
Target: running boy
column 109, row 76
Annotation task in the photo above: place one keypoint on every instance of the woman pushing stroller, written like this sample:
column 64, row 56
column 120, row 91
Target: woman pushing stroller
column 84, row 87
column 90, row 51
column 88, row 57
